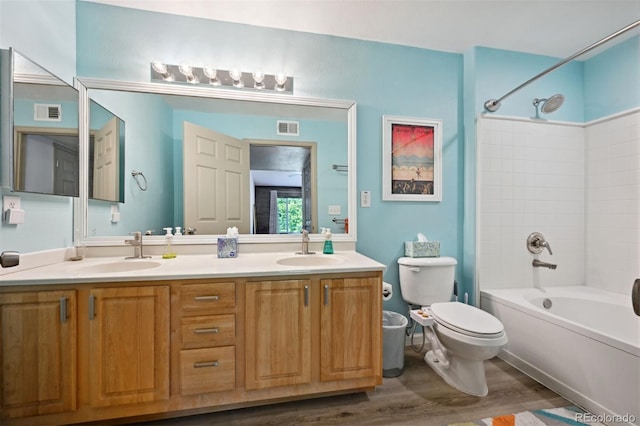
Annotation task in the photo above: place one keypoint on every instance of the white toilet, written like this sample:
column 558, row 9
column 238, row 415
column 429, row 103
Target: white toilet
column 464, row 336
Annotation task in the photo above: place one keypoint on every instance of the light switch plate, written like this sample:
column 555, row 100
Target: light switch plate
column 365, row 198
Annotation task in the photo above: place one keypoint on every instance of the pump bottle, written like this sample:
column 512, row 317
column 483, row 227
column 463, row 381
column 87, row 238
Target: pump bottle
column 168, row 252
column 328, row 244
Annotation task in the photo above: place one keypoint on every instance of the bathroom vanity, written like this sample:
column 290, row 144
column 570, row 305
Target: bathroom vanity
column 106, row 338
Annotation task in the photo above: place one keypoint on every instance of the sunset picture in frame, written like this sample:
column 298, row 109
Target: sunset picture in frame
column 412, row 166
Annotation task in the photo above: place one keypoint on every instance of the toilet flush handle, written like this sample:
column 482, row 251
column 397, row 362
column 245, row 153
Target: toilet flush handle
column 414, row 269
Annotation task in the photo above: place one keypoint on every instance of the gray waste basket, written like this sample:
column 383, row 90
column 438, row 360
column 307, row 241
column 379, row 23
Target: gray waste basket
column 393, row 332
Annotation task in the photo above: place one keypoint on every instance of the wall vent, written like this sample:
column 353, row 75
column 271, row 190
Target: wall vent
column 289, row 128
column 47, row 112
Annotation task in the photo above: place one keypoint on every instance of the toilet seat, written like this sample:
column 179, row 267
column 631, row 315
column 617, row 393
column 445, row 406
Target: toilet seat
column 466, row 319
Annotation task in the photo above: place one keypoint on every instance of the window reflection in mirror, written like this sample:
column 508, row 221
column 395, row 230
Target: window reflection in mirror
column 156, row 138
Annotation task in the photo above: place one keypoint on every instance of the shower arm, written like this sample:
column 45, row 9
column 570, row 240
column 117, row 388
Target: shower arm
column 492, row 105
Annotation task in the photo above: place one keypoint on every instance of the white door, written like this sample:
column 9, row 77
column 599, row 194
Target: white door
column 106, row 157
column 216, row 181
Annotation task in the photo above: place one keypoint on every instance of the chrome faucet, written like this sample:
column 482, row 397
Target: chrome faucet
column 540, row 264
column 536, row 243
column 136, row 242
column 305, row 243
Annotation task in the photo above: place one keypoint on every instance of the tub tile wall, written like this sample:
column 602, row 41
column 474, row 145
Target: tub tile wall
column 531, row 178
column 613, row 203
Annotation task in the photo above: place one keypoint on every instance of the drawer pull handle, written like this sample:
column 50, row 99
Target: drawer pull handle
column 206, row 330
column 200, row 298
column 203, row 364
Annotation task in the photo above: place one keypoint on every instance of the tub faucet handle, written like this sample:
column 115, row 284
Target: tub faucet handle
column 536, row 243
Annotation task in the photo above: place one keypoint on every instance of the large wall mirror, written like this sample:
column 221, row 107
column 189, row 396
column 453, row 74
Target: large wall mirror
column 270, row 165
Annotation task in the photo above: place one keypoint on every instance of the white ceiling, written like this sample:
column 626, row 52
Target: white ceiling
column 556, row 28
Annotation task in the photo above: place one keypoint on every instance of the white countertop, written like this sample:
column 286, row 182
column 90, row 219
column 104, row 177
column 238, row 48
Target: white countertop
column 114, row 269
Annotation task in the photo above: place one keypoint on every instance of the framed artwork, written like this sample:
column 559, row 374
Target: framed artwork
column 411, row 159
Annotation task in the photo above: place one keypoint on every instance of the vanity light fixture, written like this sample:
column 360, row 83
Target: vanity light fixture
column 228, row 79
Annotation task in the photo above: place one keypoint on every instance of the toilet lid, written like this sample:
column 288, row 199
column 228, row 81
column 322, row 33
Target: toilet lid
column 466, row 319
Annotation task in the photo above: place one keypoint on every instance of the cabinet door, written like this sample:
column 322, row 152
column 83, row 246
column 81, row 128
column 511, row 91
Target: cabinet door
column 351, row 328
column 129, row 345
column 278, row 333
column 38, row 353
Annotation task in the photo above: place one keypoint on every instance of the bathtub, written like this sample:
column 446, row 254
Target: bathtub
column 585, row 345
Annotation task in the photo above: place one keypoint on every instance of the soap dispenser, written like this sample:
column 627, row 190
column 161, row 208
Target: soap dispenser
column 168, row 252
column 328, row 244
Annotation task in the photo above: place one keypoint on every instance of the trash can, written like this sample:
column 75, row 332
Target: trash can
column 393, row 332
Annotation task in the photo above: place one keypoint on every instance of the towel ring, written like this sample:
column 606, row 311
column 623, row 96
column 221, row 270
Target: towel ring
column 135, row 175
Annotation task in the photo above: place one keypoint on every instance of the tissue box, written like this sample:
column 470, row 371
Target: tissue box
column 227, row 247
column 422, row 248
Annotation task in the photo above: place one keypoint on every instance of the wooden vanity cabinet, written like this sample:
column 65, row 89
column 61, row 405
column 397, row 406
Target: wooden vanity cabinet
column 39, row 343
column 128, row 345
column 350, row 328
column 160, row 348
column 277, row 333
column 281, row 330
column 206, row 337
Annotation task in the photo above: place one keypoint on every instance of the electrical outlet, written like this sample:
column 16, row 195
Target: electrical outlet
column 9, row 202
column 334, row 210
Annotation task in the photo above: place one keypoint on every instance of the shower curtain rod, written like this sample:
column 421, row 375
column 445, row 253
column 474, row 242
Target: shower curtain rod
column 492, row 105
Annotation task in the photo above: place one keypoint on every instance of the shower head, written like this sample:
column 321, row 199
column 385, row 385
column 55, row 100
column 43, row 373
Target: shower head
column 550, row 104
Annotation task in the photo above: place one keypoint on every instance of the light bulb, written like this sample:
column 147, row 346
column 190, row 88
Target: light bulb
column 258, row 77
column 162, row 69
column 187, row 71
column 236, row 76
column 281, row 79
column 212, row 75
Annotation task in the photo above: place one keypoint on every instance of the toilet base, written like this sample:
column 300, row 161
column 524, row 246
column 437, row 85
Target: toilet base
column 463, row 374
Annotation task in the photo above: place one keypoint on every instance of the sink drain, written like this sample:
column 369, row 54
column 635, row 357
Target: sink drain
column 547, row 303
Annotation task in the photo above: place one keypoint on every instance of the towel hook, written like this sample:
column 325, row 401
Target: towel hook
column 135, row 175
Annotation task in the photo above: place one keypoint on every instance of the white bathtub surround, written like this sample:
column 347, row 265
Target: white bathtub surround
column 530, row 179
column 577, row 185
column 585, row 347
column 613, row 203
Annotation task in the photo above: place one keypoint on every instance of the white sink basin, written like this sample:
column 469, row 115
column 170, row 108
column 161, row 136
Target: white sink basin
column 309, row 260
column 119, row 266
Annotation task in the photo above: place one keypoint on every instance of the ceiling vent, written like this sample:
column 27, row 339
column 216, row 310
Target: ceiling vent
column 47, row 112
column 288, row 128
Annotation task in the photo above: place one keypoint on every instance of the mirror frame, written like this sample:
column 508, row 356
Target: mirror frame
column 80, row 233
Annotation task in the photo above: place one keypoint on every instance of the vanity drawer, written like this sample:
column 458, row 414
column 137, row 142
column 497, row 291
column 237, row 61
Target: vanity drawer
column 207, row 370
column 213, row 330
column 202, row 299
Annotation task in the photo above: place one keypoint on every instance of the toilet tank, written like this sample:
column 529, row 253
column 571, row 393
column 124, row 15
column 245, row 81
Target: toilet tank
column 427, row 280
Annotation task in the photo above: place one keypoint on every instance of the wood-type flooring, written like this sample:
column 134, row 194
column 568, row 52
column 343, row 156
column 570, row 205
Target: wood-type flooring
column 418, row 397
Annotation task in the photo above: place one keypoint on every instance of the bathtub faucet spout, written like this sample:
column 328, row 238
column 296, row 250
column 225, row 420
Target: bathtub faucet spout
column 540, row 264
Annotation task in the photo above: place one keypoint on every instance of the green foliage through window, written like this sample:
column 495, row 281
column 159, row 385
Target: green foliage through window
column 289, row 215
